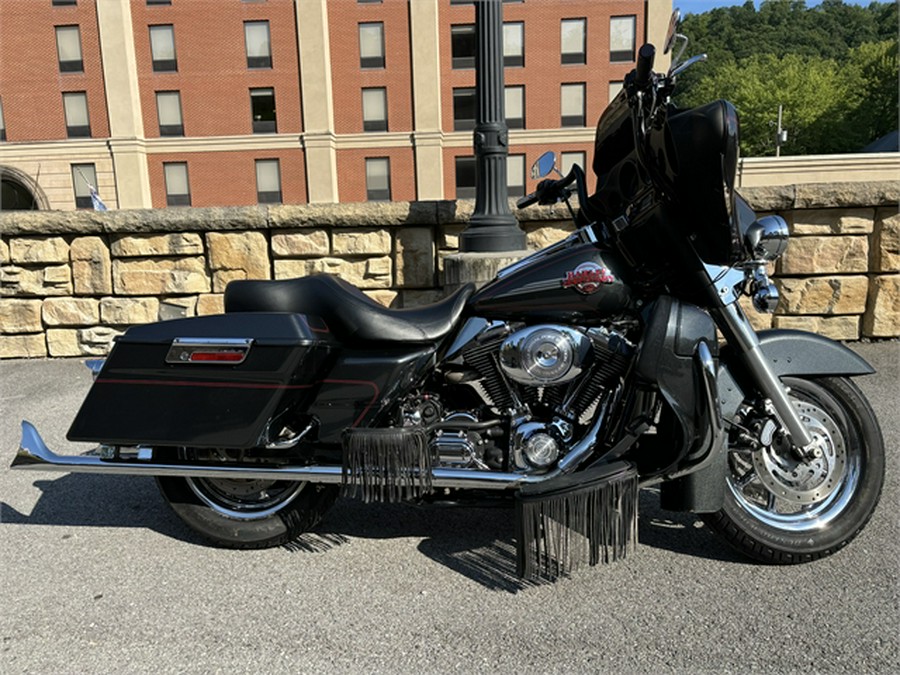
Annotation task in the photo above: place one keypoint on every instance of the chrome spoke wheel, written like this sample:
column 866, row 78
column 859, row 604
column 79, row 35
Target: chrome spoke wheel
column 785, row 492
column 782, row 508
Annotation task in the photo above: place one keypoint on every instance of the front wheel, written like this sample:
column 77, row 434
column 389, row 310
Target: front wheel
column 781, row 509
column 246, row 513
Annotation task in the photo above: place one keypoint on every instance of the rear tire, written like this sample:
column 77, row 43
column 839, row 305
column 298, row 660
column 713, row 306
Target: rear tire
column 774, row 518
column 247, row 514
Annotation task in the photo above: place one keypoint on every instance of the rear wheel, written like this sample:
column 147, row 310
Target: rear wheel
column 781, row 509
column 246, row 513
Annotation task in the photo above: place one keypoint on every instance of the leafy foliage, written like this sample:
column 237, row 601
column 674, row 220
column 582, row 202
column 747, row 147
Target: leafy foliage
column 833, row 67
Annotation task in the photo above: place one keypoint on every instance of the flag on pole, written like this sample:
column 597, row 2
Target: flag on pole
column 95, row 200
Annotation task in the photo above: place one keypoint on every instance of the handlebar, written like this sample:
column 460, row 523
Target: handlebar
column 646, row 56
column 550, row 191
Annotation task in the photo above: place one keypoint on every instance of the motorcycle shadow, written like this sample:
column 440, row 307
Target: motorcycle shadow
column 87, row 500
column 476, row 542
column 479, row 543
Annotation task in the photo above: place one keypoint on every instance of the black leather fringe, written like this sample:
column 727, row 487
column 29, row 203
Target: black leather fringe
column 594, row 522
column 386, row 465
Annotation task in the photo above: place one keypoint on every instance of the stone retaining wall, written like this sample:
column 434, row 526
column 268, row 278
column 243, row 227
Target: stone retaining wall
column 71, row 281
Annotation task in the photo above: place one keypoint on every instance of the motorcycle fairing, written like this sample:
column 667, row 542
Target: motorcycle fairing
column 669, row 360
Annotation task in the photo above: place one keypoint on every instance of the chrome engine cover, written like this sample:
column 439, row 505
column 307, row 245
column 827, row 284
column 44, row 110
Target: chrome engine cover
column 544, row 354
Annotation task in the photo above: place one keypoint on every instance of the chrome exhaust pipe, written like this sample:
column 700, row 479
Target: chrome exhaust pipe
column 34, row 454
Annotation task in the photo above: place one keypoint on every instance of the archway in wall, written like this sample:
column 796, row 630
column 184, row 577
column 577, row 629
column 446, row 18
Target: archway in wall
column 20, row 192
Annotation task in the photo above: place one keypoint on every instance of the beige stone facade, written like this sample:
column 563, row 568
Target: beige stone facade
column 70, row 282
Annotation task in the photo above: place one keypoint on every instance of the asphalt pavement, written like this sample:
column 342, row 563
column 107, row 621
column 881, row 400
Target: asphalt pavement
column 98, row 576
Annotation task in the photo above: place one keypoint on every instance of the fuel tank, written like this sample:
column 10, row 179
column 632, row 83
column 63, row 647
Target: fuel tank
column 577, row 284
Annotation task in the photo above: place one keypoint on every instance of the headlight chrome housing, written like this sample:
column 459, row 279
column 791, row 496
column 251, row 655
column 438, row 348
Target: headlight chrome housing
column 767, row 238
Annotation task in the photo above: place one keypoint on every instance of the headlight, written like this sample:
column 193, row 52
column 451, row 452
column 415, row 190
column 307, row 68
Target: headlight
column 767, row 238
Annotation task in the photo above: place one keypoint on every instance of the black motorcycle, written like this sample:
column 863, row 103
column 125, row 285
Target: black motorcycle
column 615, row 359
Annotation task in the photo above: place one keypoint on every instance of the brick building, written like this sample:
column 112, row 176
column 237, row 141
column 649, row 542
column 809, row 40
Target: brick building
column 237, row 102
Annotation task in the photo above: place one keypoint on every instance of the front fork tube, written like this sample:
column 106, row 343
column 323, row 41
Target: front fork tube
column 740, row 333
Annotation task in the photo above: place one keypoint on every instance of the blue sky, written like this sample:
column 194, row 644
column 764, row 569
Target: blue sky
column 697, row 6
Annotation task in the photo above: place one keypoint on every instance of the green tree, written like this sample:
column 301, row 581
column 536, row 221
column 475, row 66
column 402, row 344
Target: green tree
column 833, row 67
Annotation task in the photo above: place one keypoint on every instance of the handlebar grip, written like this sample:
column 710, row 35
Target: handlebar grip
column 646, row 56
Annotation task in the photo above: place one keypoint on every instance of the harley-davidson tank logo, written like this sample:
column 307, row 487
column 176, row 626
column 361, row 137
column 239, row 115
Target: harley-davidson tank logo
column 587, row 278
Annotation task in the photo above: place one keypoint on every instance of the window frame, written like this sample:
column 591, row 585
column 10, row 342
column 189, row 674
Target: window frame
column 268, row 196
column 79, row 177
column 623, row 55
column 258, row 62
column 371, row 62
column 577, row 57
column 163, row 65
column 70, row 65
column 465, row 61
column 376, row 194
column 179, row 199
column 514, row 122
column 263, row 126
column 2, row 122
column 375, row 124
column 169, row 130
column 517, row 190
column 466, row 163
column 515, row 60
column 467, row 96
column 573, row 120
column 581, row 161
column 76, row 130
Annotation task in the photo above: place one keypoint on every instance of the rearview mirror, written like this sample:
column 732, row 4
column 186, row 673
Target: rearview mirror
column 673, row 31
column 544, row 165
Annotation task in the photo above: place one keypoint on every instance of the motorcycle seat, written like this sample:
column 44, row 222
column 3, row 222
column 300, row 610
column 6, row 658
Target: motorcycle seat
column 348, row 312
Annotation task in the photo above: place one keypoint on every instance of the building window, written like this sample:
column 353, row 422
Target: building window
column 68, row 48
column 84, row 177
column 614, row 89
column 378, row 179
column 75, row 106
column 573, row 41
column 2, row 123
column 374, row 109
column 178, row 190
column 268, row 181
column 514, row 104
column 513, row 44
column 168, row 111
column 567, row 159
column 262, row 108
column 162, row 49
column 515, row 175
column 258, row 43
column 463, row 109
column 62, row 3
column 371, row 45
column 462, row 45
column 572, row 104
column 159, row 2
column 621, row 38
column 465, row 177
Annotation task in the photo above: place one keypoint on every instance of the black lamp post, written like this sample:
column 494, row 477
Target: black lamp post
column 492, row 226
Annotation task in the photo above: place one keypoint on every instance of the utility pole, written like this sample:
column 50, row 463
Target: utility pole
column 780, row 134
column 492, row 226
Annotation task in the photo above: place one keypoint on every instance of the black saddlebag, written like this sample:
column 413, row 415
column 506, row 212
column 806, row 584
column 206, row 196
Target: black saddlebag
column 213, row 381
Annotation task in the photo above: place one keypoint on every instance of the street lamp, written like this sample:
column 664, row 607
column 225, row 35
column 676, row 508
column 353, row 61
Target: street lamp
column 492, row 226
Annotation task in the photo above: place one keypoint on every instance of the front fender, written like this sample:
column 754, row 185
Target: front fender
column 791, row 352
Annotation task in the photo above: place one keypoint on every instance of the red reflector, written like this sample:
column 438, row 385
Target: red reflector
column 219, row 357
